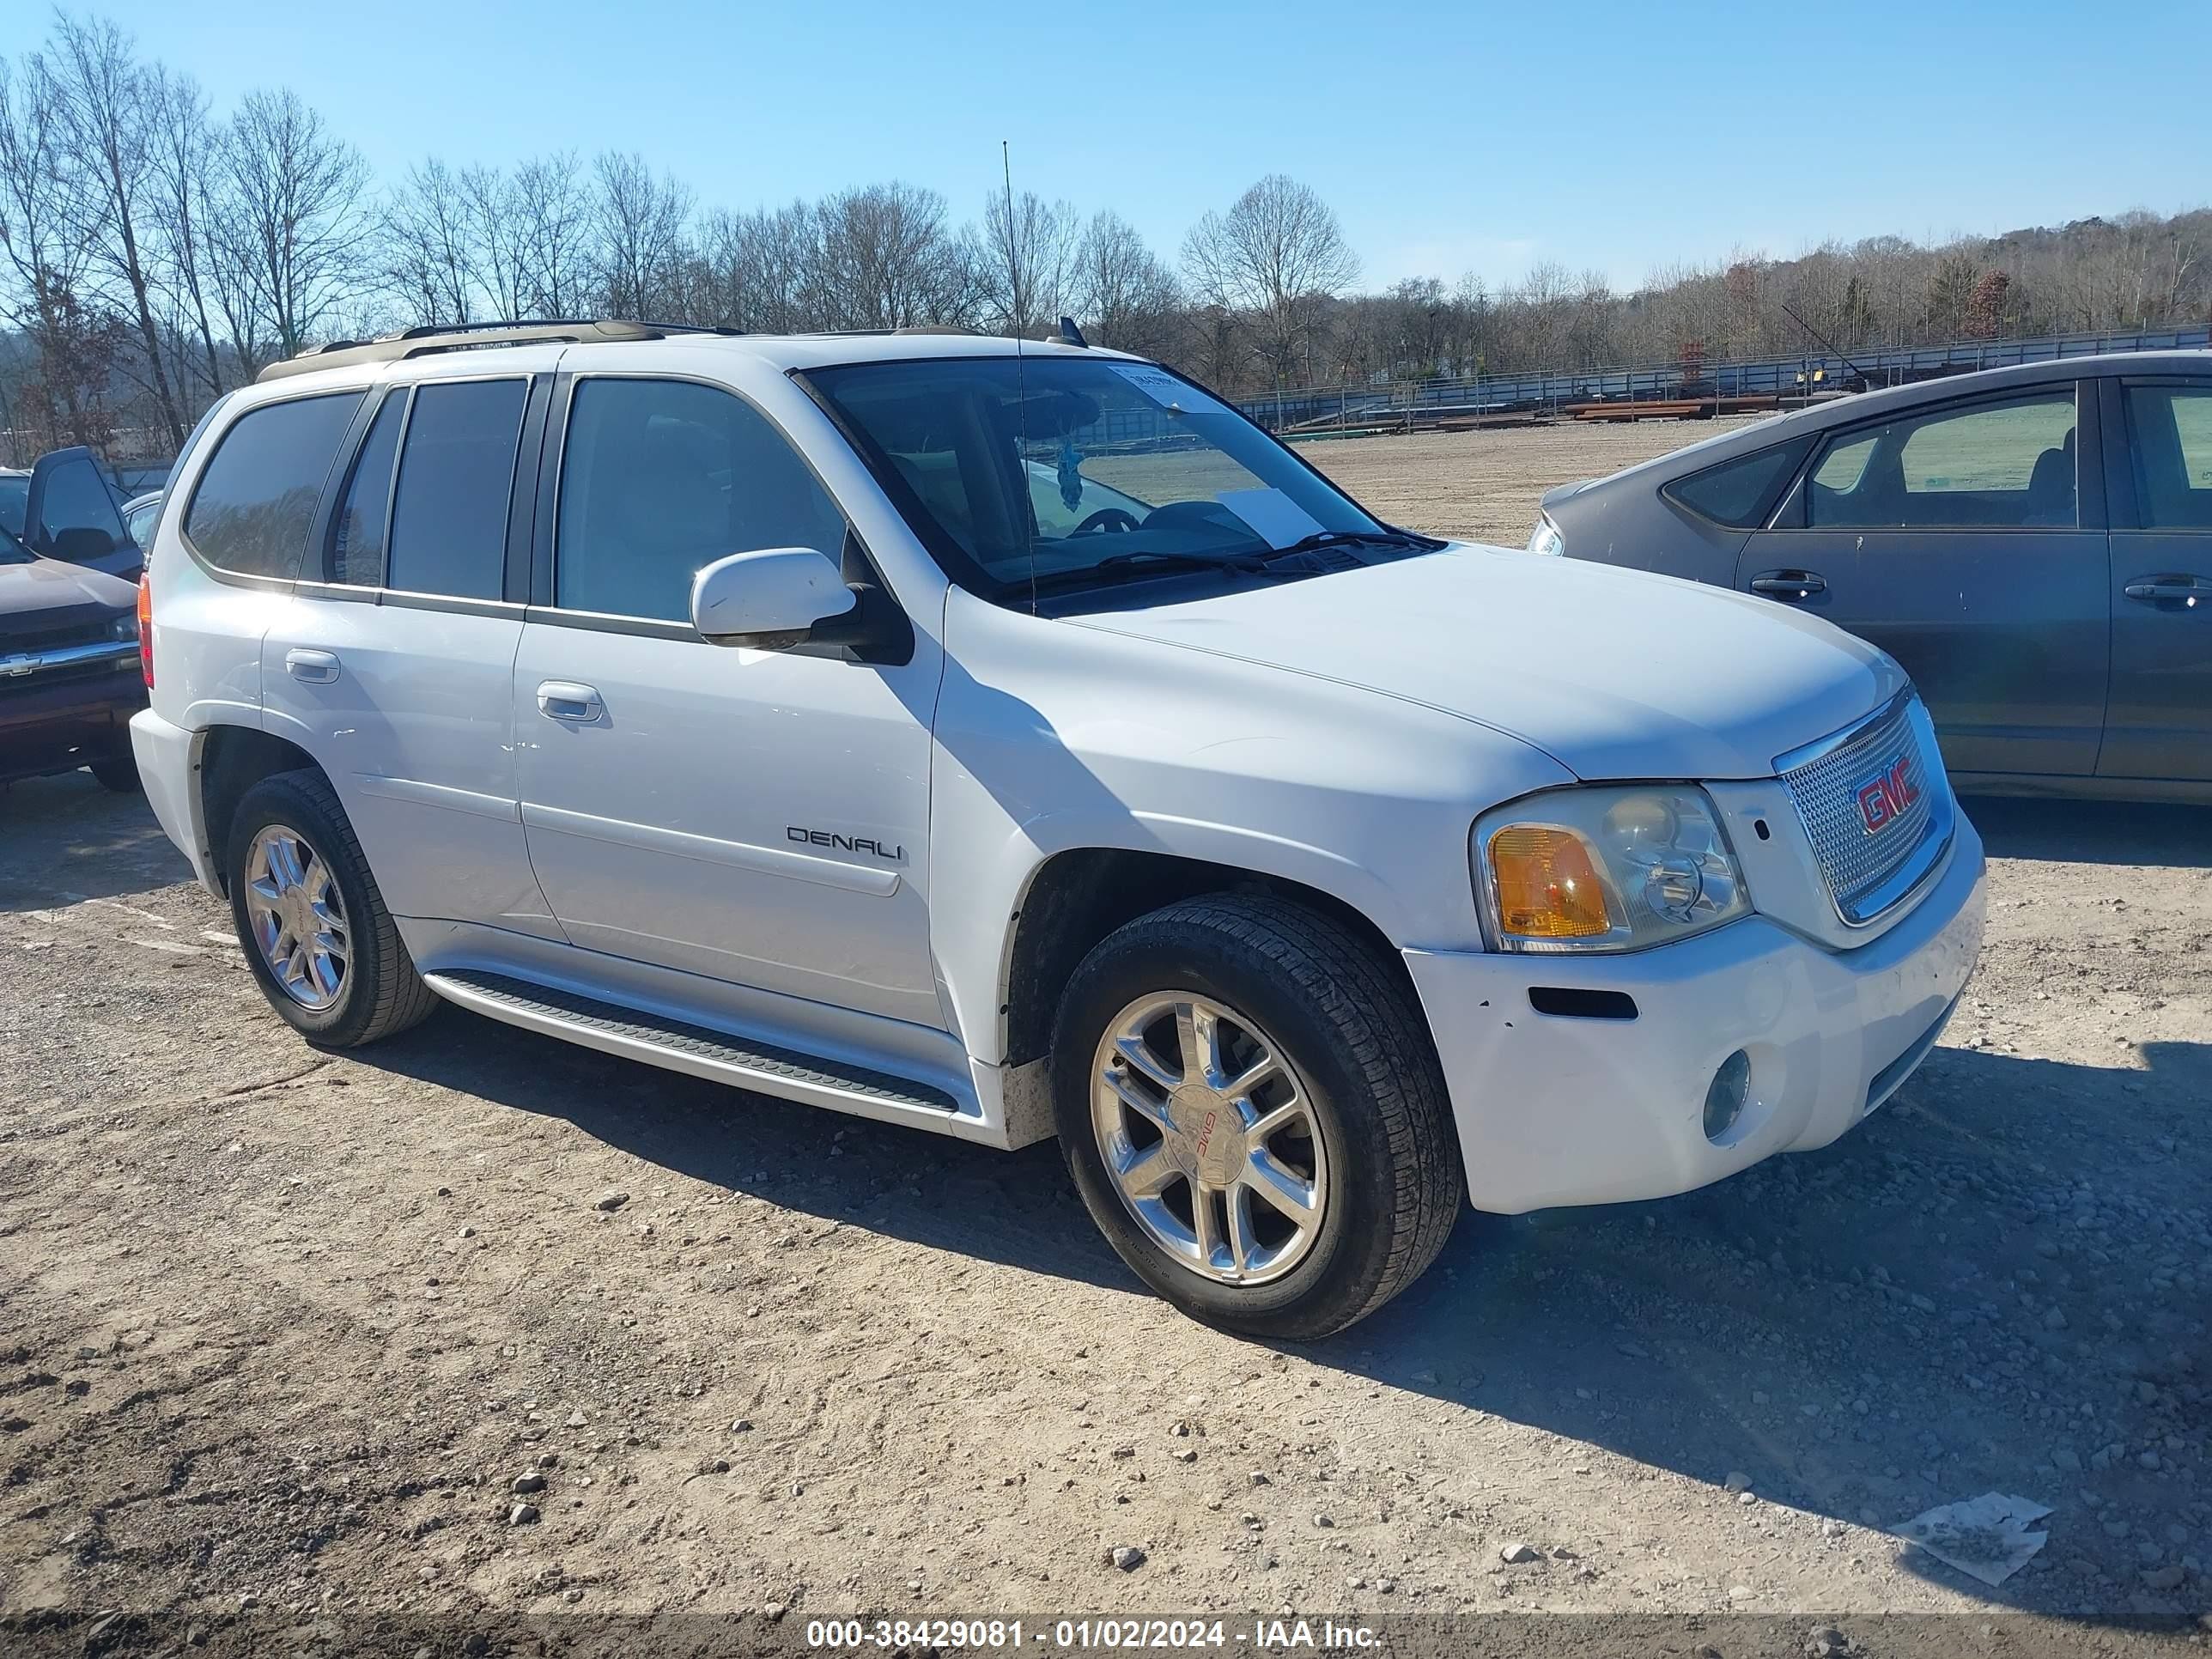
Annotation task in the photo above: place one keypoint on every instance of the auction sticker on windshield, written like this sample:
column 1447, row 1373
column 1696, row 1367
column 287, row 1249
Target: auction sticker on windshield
column 1163, row 389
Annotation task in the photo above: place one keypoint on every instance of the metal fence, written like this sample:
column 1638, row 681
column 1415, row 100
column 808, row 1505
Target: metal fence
column 1784, row 377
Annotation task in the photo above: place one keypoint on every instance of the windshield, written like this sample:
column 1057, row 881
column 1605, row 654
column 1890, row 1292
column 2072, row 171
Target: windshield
column 1065, row 471
column 14, row 501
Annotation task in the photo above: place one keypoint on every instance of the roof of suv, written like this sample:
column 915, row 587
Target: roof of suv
column 780, row 352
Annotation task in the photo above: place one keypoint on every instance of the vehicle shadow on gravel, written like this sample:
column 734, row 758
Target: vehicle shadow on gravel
column 1999, row 1283
column 67, row 839
column 2094, row 831
column 1987, row 1287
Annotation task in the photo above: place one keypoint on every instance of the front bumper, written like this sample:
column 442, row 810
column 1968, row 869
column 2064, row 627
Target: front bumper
column 1567, row 1109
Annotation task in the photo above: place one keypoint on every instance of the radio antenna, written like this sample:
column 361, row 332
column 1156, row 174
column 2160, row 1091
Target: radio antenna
column 1021, row 380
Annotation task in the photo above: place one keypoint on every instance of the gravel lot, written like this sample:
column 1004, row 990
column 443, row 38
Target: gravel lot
column 471, row 1325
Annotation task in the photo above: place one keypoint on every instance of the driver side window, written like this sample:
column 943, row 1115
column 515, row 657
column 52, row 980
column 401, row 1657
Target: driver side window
column 659, row 477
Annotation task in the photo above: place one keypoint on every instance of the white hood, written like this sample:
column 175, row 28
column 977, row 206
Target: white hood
column 1614, row 673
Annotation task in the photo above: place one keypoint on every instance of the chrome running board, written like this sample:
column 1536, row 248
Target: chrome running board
column 698, row 1050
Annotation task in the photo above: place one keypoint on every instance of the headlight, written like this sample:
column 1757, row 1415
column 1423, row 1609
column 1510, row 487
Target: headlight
column 125, row 628
column 1606, row 869
column 1546, row 537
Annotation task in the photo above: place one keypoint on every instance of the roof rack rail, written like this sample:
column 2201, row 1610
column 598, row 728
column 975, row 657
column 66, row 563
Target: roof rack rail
column 423, row 341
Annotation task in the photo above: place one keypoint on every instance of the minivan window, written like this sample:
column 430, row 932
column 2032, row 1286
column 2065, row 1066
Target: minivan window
column 358, row 530
column 1996, row 465
column 658, row 477
column 1740, row 494
column 455, row 476
column 2171, row 427
column 256, row 499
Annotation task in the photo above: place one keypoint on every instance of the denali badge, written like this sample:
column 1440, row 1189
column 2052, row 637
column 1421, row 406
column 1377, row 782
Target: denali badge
column 1883, row 797
column 844, row 843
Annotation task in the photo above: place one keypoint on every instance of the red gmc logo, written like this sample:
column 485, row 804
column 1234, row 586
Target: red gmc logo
column 1883, row 797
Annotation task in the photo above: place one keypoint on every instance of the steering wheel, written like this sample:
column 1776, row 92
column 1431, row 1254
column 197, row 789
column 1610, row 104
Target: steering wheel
column 1115, row 518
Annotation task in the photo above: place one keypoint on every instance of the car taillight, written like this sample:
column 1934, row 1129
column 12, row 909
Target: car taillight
column 146, row 631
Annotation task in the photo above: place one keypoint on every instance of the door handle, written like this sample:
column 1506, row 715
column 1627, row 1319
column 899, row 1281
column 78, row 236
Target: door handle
column 1791, row 585
column 2186, row 591
column 571, row 701
column 315, row 667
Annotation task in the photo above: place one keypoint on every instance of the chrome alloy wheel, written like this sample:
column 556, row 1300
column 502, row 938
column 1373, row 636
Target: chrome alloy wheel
column 1210, row 1136
column 298, row 916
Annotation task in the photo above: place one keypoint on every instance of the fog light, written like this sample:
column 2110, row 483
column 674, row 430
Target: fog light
column 1724, row 1097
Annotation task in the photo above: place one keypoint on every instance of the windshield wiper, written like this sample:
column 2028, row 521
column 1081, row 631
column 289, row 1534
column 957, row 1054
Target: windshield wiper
column 1248, row 564
column 1321, row 539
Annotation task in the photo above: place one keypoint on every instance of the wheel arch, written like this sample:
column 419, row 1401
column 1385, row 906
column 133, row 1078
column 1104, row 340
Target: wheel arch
column 1075, row 897
column 232, row 759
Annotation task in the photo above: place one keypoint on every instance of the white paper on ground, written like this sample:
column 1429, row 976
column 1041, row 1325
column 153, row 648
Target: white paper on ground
column 1274, row 517
column 1986, row 1537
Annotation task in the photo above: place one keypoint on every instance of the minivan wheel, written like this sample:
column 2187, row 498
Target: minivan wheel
column 1252, row 1110
column 316, row 933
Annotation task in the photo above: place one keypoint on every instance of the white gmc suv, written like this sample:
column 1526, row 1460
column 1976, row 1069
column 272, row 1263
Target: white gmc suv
column 1010, row 740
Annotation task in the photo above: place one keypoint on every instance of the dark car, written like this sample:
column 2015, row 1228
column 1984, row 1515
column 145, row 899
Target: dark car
column 64, row 508
column 2033, row 544
column 70, row 677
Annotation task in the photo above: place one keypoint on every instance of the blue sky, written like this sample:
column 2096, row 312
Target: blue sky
column 1447, row 137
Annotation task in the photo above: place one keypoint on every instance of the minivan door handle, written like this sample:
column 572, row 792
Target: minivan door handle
column 1792, row 584
column 315, row 667
column 2188, row 592
column 571, row 701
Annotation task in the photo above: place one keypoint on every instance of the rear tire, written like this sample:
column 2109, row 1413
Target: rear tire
column 359, row 984
column 1345, row 1061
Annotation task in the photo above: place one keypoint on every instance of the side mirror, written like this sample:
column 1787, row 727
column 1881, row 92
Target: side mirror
column 770, row 599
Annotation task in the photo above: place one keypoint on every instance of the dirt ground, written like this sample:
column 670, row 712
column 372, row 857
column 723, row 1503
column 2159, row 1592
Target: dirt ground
column 291, row 1336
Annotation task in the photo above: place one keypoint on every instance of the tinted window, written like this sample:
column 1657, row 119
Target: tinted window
column 257, row 500
column 76, row 499
column 1988, row 465
column 1741, row 493
column 449, row 519
column 15, row 499
column 2171, row 429
column 358, row 529
column 659, row 477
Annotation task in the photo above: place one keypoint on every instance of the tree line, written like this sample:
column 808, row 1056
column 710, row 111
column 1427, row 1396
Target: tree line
column 156, row 251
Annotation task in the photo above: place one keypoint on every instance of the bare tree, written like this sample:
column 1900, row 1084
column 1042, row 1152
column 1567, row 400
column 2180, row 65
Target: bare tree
column 889, row 261
column 1271, row 257
column 552, row 213
column 106, row 108
column 1123, row 290
column 62, row 398
column 183, row 173
column 295, row 221
column 638, row 226
column 426, row 236
column 1026, row 261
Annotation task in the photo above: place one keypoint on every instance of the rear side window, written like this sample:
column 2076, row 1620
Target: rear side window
column 256, row 502
column 456, row 474
column 2004, row 465
column 2170, row 430
column 1741, row 493
column 364, row 518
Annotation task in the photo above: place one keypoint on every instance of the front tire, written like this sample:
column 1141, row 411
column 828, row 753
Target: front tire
column 1251, row 1108
column 317, row 936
